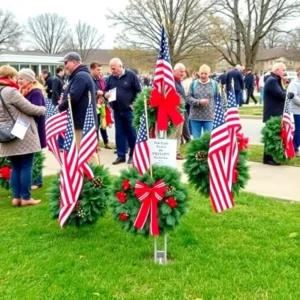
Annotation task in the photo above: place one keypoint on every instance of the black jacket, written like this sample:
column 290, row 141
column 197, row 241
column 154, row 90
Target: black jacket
column 57, row 89
column 79, row 86
column 223, row 78
column 274, row 97
column 249, row 81
column 128, row 86
column 48, row 85
column 236, row 75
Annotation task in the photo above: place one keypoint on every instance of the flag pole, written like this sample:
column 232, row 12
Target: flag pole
column 97, row 152
column 72, row 119
column 147, row 129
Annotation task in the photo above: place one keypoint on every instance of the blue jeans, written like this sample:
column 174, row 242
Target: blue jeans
column 21, row 175
column 239, row 98
column 197, row 127
column 297, row 132
column 261, row 99
column 125, row 133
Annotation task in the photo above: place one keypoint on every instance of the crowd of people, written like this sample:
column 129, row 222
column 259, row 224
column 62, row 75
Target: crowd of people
column 23, row 96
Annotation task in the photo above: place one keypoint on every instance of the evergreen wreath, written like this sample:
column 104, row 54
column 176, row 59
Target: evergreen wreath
column 5, row 169
column 139, row 108
column 196, row 165
column 92, row 202
column 126, row 206
column 271, row 138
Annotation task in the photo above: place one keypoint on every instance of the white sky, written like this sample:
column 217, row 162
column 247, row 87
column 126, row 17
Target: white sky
column 90, row 11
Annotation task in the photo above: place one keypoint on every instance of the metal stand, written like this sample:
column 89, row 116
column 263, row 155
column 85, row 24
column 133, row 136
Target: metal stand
column 160, row 256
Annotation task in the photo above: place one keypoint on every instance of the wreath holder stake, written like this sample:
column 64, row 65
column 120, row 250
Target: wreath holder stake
column 160, row 256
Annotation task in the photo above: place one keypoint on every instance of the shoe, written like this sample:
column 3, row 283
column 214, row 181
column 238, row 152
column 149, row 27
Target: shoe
column 129, row 160
column 30, row 202
column 16, row 202
column 271, row 163
column 179, row 156
column 35, row 187
column 119, row 160
column 107, row 146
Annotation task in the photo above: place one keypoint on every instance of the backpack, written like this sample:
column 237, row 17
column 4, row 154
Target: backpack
column 214, row 86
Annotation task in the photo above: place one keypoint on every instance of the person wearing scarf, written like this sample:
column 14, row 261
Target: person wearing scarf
column 33, row 91
column 19, row 151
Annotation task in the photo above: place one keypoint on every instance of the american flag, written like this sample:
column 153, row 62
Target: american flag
column 163, row 76
column 50, row 109
column 220, row 193
column 71, row 176
column 89, row 142
column 234, row 127
column 141, row 154
column 287, row 129
column 55, row 126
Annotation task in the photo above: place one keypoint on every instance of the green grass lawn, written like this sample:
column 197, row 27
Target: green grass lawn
column 250, row 252
column 256, row 155
column 251, row 110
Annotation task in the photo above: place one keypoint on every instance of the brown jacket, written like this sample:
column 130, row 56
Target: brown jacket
column 19, row 107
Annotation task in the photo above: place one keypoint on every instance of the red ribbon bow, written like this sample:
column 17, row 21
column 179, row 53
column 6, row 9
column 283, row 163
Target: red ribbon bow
column 5, row 172
column 149, row 196
column 242, row 141
column 166, row 108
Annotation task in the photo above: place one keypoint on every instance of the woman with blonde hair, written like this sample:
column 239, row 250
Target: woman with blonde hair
column 201, row 97
column 34, row 92
column 14, row 107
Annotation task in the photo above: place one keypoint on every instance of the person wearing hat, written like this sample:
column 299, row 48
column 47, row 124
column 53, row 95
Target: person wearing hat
column 34, row 92
column 80, row 86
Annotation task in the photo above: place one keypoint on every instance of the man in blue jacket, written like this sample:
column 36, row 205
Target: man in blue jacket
column 274, row 100
column 236, row 76
column 80, row 86
column 127, row 87
column 249, row 86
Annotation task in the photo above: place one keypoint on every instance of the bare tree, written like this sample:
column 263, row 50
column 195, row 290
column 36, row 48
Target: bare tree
column 183, row 20
column 251, row 20
column 48, row 32
column 10, row 31
column 85, row 39
column 275, row 38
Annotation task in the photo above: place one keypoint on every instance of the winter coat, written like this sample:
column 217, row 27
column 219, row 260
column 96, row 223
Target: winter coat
column 57, row 89
column 249, row 81
column 274, row 97
column 237, row 77
column 294, row 87
column 19, row 107
column 79, row 87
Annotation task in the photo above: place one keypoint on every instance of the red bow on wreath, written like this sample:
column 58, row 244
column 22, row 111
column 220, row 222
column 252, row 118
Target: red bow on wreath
column 242, row 141
column 167, row 107
column 149, row 196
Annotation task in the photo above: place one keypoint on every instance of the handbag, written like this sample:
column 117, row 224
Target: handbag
column 5, row 129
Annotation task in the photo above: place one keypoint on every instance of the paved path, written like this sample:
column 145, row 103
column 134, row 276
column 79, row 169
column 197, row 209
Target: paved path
column 280, row 182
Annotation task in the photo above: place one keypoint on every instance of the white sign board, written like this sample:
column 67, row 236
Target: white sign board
column 163, row 152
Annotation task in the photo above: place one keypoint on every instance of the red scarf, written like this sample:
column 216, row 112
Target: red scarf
column 8, row 82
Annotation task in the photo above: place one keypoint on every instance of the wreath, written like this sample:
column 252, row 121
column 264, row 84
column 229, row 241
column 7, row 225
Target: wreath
column 149, row 206
column 271, row 138
column 5, row 169
column 139, row 109
column 196, row 165
column 92, row 202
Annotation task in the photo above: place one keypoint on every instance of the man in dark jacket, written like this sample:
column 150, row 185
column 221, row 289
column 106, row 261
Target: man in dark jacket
column 80, row 86
column 274, row 100
column 127, row 87
column 57, row 85
column 236, row 76
column 249, row 85
column 48, row 82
